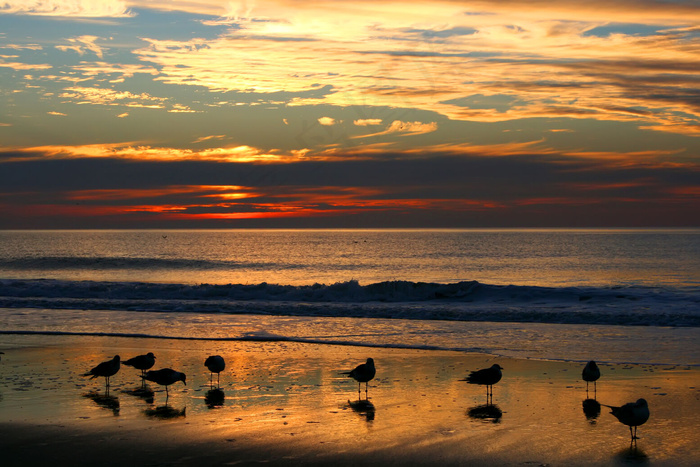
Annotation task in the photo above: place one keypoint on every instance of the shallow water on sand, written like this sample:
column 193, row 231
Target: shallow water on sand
column 289, row 402
column 543, row 341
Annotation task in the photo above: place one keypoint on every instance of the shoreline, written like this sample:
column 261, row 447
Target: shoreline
column 285, row 403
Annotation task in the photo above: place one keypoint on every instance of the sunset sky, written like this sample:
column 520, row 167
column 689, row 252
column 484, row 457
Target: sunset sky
column 357, row 113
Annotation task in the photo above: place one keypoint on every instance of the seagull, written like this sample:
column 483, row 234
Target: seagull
column 486, row 376
column 106, row 369
column 362, row 374
column 591, row 372
column 632, row 414
column 142, row 362
column 216, row 364
column 165, row 377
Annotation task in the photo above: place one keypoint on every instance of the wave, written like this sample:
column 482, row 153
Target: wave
column 462, row 301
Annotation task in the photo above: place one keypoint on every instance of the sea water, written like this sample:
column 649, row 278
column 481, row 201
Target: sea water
column 610, row 295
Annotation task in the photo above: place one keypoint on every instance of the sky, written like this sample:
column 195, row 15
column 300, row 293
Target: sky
column 349, row 114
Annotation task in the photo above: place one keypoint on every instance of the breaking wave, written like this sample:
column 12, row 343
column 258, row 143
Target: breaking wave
column 462, row 301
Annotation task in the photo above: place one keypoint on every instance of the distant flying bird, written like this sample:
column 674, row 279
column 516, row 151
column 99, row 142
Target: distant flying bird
column 142, row 362
column 106, row 369
column 487, row 377
column 215, row 364
column 165, row 377
column 591, row 372
column 632, row 414
column 362, row 374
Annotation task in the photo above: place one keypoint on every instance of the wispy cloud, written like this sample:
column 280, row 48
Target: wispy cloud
column 69, row 8
column 404, row 129
column 368, row 121
column 82, row 44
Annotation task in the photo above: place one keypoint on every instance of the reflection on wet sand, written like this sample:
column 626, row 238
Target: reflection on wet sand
column 631, row 455
column 591, row 409
column 145, row 393
column 487, row 412
column 105, row 401
column 364, row 408
column 214, row 398
column 164, row 412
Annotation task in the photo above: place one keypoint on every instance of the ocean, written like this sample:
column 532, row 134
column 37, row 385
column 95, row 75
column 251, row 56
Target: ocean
column 627, row 295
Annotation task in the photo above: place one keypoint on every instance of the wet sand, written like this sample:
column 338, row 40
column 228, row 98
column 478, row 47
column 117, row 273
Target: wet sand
column 286, row 404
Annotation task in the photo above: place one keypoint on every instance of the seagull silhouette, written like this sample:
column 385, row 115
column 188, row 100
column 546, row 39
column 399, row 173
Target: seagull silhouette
column 362, row 374
column 165, row 377
column 106, row 369
column 215, row 364
column 142, row 362
column 591, row 372
column 486, row 377
column 632, row 414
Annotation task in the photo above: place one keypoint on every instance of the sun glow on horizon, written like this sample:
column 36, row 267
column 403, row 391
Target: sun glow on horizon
column 486, row 112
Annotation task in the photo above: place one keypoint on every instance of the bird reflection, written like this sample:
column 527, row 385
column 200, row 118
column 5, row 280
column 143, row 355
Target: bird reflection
column 632, row 455
column 487, row 412
column 591, row 409
column 214, row 398
column 105, row 401
column 145, row 393
column 164, row 412
column 364, row 408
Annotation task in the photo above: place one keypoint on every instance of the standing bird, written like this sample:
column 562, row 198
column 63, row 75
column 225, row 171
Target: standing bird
column 487, row 377
column 362, row 374
column 215, row 364
column 106, row 369
column 632, row 414
column 165, row 377
column 591, row 372
column 142, row 362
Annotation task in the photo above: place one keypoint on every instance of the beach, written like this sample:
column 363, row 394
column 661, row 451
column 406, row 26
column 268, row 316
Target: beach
column 286, row 403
